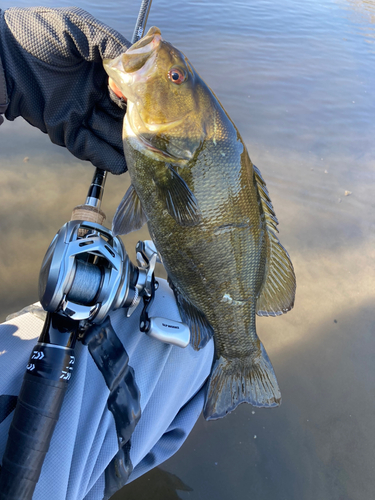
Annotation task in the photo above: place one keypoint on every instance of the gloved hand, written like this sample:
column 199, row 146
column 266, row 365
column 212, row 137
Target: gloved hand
column 55, row 80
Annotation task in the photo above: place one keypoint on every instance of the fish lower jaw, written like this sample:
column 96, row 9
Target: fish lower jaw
column 156, row 151
column 139, row 143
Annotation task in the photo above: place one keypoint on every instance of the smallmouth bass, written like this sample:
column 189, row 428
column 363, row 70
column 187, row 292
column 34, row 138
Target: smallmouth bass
column 209, row 214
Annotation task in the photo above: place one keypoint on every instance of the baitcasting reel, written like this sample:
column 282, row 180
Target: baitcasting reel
column 86, row 273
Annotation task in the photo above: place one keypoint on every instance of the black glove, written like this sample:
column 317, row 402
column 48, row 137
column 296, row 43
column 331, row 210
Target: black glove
column 52, row 61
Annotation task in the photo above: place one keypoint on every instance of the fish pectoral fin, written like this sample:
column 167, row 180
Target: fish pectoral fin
column 241, row 380
column 200, row 329
column 180, row 201
column 129, row 215
column 276, row 296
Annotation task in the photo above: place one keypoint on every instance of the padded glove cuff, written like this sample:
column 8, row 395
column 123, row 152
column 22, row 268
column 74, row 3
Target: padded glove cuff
column 3, row 89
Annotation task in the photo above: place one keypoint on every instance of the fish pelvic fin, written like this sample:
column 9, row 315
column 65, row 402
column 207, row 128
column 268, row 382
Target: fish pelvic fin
column 276, row 296
column 241, row 380
column 200, row 329
column 129, row 215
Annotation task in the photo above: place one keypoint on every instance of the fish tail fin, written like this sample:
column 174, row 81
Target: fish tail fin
column 235, row 381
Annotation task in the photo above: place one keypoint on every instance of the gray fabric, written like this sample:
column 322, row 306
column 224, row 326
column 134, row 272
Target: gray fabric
column 52, row 60
column 171, row 381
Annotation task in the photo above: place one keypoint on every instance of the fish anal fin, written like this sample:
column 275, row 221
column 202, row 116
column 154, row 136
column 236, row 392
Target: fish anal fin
column 241, row 380
column 200, row 329
column 129, row 215
column 276, row 296
column 180, row 201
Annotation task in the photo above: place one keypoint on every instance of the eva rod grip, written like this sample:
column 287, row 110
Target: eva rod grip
column 37, row 412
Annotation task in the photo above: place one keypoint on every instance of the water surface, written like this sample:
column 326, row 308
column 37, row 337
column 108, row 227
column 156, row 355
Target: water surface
column 298, row 80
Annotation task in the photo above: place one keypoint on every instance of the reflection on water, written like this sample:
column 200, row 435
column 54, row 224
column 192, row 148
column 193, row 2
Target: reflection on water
column 363, row 7
column 297, row 78
column 161, row 485
column 364, row 12
column 36, row 198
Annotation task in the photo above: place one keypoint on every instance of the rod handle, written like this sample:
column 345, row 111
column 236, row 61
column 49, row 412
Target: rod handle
column 37, row 412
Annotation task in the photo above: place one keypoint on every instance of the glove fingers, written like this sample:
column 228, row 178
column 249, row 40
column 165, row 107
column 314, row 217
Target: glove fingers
column 108, row 42
column 62, row 36
column 56, row 80
column 86, row 145
column 111, row 114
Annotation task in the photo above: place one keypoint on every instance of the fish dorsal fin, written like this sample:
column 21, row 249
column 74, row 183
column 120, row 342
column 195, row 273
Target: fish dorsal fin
column 279, row 286
column 180, row 201
column 200, row 329
column 129, row 215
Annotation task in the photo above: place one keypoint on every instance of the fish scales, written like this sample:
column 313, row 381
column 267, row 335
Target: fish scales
column 236, row 251
column 209, row 214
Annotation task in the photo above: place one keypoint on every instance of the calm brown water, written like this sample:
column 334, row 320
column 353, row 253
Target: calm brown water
column 298, row 80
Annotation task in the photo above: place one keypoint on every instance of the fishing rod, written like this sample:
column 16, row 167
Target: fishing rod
column 85, row 274
column 140, row 25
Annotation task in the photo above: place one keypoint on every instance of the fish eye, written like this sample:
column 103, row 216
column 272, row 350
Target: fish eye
column 176, row 76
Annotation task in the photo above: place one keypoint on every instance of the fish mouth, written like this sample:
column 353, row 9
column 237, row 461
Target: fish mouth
column 115, row 89
column 123, row 69
column 146, row 44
